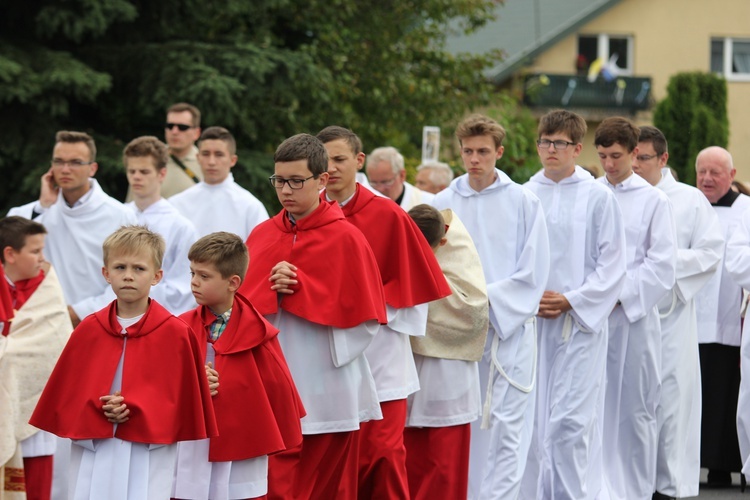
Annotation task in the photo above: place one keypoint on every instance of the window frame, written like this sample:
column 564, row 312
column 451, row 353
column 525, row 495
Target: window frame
column 728, row 51
column 602, row 49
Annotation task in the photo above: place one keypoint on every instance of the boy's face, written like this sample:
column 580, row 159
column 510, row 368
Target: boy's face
column 27, row 262
column 215, row 160
column 73, row 172
column 210, row 289
column 145, row 181
column 647, row 163
column 131, row 275
column 343, row 165
column 479, row 155
column 299, row 202
column 558, row 163
column 616, row 161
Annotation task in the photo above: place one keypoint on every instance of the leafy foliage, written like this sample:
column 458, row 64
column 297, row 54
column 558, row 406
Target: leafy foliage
column 265, row 69
column 693, row 116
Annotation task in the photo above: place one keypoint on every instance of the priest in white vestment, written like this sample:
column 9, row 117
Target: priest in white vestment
column 718, row 307
column 506, row 223
column 700, row 245
column 634, row 351
column 387, row 175
column 217, row 203
column 145, row 161
column 587, row 271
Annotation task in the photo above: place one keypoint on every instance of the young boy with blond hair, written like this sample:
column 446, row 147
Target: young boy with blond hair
column 33, row 335
column 129, row 384
column 257, row 407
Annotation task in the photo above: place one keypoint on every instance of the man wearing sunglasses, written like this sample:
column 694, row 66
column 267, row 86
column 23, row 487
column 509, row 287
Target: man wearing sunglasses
column 181, row 130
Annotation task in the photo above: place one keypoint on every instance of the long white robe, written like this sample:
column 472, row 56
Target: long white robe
column 700, row 246
column 74, row 244
column 737, row 264
column 414, row 196
column 220, row 207
column 718, row 302
column 634, row 350
column 587, row 246
column 330, row 371
column 506, row 222
column 173, row 291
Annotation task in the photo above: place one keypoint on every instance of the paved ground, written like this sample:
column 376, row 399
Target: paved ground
column 725, row 493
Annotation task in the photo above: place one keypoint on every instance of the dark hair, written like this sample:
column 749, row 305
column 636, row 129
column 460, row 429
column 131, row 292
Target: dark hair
column 183, row 106
column 71, row 137
column 220, row 134
column 655, row 137
column 335, row 132
column 478, row 125
column 561, row 121
column 617, row 130
column 430, row 222
column 147, row 145
column 303, row 147
column 225, row 251
column 13, row 233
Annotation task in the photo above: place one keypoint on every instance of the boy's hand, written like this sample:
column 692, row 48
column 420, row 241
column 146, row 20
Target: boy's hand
column 114, row 408
column 48, row 191
column 213, row 379
column 283, row 276
column 552, row 305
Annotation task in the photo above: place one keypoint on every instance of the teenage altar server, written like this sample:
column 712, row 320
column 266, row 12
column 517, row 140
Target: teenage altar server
column 634, row 351
column 411, row 278
column 129, row 384
column 700, row 245
column 145, row 159
column 587, row 271
column 324, row 294
column 506, row 223
column 217, row 203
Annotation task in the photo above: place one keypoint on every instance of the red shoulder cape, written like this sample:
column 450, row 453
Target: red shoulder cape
column 258, row 410
column 342, row 295
column 163, row 381
column 6, row 302
column 411, row 273
column 18, row 295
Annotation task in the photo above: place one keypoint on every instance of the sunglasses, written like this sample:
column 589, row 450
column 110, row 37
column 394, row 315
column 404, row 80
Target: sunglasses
column 180, row 126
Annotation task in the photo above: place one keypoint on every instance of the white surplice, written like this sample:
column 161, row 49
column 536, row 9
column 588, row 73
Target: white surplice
column 331, row 373
column 718, row 302
column 737, row 264
column 173, row 291
column 74, row 244
column 700, row 246
column 587, row 265
column 414, row 196
column 634, row 349
column 506, row 223
column 220, row 207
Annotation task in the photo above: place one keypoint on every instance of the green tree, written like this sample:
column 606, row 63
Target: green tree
column 265, row 69
column 693, row 116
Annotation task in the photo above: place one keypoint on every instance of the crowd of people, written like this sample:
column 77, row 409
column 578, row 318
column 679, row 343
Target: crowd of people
column 568, row 338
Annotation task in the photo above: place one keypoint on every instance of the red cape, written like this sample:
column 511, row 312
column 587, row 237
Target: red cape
column 342, row 295
column 19, row 294
column 6, row 302
column 411, row 273
column 258, row 410
column 163, row 381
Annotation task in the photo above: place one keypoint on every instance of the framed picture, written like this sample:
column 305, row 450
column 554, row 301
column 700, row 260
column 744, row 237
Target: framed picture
column 430, row 144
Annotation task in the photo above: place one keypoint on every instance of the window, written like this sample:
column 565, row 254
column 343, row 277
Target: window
column 604, row 47
column 731, row 57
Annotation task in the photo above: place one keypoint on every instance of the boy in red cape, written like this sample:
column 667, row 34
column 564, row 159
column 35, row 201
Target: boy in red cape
column 129, row 384
column 257, row 407
column 411, row 278
column 36, row 327
column 314, row 276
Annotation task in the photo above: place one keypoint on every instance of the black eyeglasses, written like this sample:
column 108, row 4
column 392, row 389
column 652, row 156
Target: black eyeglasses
column 559, row 145
column 180, row 126
column 278, row 182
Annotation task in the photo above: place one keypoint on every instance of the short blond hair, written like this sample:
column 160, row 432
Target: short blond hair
column 225, row 251
column 129, row 240
column 477, row 125
column 147, row 146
